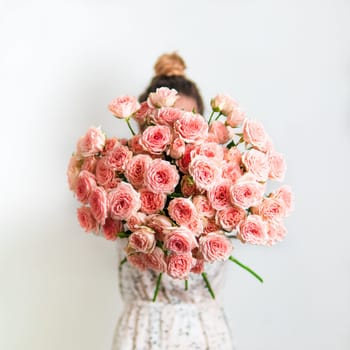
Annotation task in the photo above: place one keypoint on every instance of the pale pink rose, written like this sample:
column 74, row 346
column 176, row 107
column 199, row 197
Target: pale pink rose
column 89, row 164
column 253, row 230
column 205, row 172
column 257, row 163
column 167, row 116
column 184, row 162
column 191, row 127
column 111, row 228
column 195, row 225
column 210, row 226
column 155, row 139
column 123, row 201
column 271, row 208
column 203, row 206
column 231, row 171
column 136, row 220
column 91, row 143
column 276, row 232
column 142, row 240
column 220, row 131
column 87, row 220
column 254, row 133
column 180, row 240
column 105, row 175
column 124, row 106
column 215, row 246
column 137, row 260
column 136, row 169
column 277, row 165
column 161, row 176
column 182, row 211
column 246, row 192
column 179, row 265
column 135, row 145
column 285, row 194
column 233, row 155
column 98, row 204
column 188, row 187
column 223, row 103
column 119, row 157
column 177, row 148
column 152, row 203
column 73, row 171
column 235, row 117
column 163, row 97
column 230, row 218
column 84, row 185
column 209, row 150
column 219, row 195
column 159, row 223
column 197, row 266
column 156, row 260
column 110, row 144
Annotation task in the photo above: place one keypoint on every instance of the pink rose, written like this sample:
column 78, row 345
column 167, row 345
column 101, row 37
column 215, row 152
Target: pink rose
column 191, row 127
column 119, row 157
column 253, row 230
column 136, row 220
column 142, row 240
column 98, row 204
column 91, row 143
column 111, row 228
column 271, row 208
column 156, row 260
column 254, row 133
column 142, row 115
column 257, row 163
column 155, row 139
column 163, row 97
column 123, row 201
column 105, row 175
column 136, row 169
column 180, row 240
column 137, row 260
column 205, row 172
column 220, row 131
column 231, row 171
column 182, row 211
column 233, row 155
column 284, row 193
column 198, row 266
column 73, row 172
column 87, row 220
column 177, row 148
column 277, row 165
column 219, row 195
column 161, row 176
column 215, row 246
column 179, row 265
column 203, row 206
column 184, row 162
column 210, row 150
column 210, row 226
column 135, row 145
column 159, row 223
column 89, row 164
column 230, row 218
column 84, row 185
column 195, row 226
column 235, row 117
column 188, row 187
column 275, row 232
column 167, row 116
column 152, row 203
column 223, row 103
column 110, row 144
column 124, row 106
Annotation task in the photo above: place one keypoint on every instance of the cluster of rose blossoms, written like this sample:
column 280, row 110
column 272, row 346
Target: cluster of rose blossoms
column 182, row 187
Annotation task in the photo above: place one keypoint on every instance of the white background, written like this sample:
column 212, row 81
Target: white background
column 61, row 62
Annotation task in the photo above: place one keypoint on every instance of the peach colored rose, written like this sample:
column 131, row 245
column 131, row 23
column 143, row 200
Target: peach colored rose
column 223, row 103
column 209, row 150
column 135, row 145
column 203, row 206
column 91, row 143
column 180, row 240
column 233, row 155
column 98, row 204
column 257, row 163
column 111, row 228
column 254, row 133
column 229, row 218
column 119, row 157
column 163, row 97
column 124, row 106
column 219, row 195
column 155, row 139
column 151, row 203
column 184, row 162
column 89, row 164
column 105, row 175
column 197, row 266
column 136, row 169
column 85, row 184
column 188, row 187
column 87, row 220
column 177, row 148
column 215, row 246
column 182, row 210
column 73, row 171
column 137, row 260
column 277, row 165
column 167, row 116
column 275, row 232
column 179, row 265
column 161, row 176
column 235, row 117
column 220, row 131
column 123, row 201
column 110, row 144
column 205, row 172
column 253, row 230
column 136, row 220
column 271, row 208
column 142, row 240
column 191, row 127
column 156, row 260
column 159, row 223
column 195, row 226
column 285, row 194
column 210, row 226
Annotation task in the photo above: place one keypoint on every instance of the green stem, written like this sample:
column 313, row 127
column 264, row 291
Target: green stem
column 123, row 262
column 186, row 284
column 207, row 283
column 211, row 116
column 129, row 125
column 219, row 115
column 246, row 268
column 157, row 287
column 231, row 144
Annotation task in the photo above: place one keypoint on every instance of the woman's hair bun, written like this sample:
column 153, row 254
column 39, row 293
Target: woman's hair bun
column 170, row 64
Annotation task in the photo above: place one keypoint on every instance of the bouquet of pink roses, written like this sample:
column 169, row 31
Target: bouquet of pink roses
column 181, row 188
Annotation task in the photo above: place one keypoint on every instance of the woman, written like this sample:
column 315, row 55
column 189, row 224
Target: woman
column 179, row 319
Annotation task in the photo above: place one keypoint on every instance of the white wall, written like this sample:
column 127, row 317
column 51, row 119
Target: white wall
column 61, row 62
